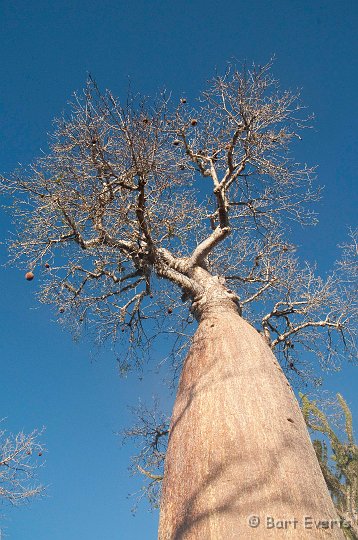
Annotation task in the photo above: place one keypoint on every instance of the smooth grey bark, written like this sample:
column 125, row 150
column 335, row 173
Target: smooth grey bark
column 238, row 444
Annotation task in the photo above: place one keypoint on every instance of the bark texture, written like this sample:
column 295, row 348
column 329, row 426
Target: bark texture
column 238, row 444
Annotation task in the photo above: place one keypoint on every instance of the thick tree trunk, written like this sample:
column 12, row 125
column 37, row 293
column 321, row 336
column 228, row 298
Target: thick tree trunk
column 239, row 446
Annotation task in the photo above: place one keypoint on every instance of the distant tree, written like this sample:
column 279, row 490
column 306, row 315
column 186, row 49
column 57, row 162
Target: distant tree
column 20, row 457
column 340, row 470
column 137, row 207
column 150, row 435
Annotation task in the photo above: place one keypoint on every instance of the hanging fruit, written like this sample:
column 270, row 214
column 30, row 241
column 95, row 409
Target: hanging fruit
column 29, row 276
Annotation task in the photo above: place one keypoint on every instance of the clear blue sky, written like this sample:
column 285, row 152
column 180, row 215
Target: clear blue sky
column 47, row 48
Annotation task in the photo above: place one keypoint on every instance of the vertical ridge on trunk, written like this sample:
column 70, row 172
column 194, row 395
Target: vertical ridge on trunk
column 238, row 444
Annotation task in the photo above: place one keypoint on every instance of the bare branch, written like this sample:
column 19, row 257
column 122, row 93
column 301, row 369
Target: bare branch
column 20, row 457
column 133, row 199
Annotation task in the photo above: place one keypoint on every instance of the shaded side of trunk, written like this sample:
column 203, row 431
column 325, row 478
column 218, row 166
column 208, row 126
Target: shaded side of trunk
column 239, row 446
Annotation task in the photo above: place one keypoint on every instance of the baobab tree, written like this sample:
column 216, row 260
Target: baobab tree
column 20, row 457
column 151, row 211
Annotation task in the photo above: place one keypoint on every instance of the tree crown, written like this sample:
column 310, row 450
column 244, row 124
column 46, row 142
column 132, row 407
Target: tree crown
column 133, row 201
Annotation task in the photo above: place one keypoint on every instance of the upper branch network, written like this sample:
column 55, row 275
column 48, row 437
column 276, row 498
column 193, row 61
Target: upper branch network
column 133, row 199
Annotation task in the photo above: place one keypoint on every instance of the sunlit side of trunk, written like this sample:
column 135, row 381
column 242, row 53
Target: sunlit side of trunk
column 239, row 446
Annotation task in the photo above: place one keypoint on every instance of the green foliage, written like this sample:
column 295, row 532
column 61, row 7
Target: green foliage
column 340, row 469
